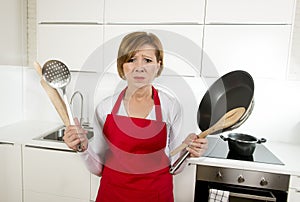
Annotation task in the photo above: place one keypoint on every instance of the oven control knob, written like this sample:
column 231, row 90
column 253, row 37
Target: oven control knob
column 241, row 179
column 219, row 175
column 263, row 182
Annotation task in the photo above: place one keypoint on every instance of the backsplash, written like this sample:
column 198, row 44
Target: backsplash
column 276, row 113
column 11, row 106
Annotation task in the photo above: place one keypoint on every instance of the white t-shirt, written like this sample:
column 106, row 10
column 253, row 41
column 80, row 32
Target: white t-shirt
column 171, row 114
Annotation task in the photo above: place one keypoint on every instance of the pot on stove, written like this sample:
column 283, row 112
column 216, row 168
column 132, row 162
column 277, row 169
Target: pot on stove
column 242, row 144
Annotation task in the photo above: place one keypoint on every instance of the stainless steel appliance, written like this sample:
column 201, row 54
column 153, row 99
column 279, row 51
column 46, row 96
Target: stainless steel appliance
column 242, row 184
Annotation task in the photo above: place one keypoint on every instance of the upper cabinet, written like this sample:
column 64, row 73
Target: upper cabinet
column 155, row 11
column 73, row 44
column 13, row 32
column 70, row 11
column 249, row 11
column 261, row 50
column 70, row 31
column 181, row 44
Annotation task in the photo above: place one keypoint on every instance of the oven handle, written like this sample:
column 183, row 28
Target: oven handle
column 249, row 196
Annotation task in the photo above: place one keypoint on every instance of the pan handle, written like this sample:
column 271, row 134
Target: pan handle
column 224, row 138
column 262, row 140
column 178, row 162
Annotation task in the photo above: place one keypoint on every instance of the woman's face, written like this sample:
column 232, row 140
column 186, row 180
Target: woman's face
column 142, row 68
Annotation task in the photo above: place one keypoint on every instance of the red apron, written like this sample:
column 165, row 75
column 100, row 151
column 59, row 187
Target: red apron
column 136, row 167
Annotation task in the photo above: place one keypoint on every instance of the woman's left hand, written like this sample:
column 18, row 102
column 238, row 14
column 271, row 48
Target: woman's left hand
column 196, row 146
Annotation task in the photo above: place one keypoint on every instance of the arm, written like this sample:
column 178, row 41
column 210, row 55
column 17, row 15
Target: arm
column 197, row 146
column 93, row 151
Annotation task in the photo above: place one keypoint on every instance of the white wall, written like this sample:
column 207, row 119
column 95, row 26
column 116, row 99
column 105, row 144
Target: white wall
column 11, row 99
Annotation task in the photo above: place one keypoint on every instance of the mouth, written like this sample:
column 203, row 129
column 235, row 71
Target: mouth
column 139, row 78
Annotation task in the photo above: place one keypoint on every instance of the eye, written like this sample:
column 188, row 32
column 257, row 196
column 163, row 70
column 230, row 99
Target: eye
column 148, row 60
column 131, row 60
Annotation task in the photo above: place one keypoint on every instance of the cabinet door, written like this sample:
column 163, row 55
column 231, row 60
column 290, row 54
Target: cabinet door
column 250, row 11
column 294, row 189
column 262, row 50
column 31, row 196
column 72, row 44
column 184, row 184
column 54, row 173
column 95, row 183
column 13, row 32
column 90, row 11
column 182, row 46
column 156, row 11
column 10, row 172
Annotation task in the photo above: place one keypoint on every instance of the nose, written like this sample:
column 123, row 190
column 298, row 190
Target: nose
column 139, row 66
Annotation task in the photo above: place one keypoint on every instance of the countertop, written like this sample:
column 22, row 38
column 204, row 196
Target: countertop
column 26, row 132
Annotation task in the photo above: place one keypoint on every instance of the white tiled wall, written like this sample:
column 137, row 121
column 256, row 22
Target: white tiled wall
column 11, row 99
column 294, row 71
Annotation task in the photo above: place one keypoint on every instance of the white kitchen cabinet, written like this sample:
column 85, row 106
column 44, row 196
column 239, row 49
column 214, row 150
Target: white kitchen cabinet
column 184, row 184
column 294, row 189
column 70, row 11
column 182, row 46
column 71, row 44
column 32, row 196
column 10, row 172
column 54, row 175
column 13, row 32
column 95, row 183
column 262, row 50
column 156, row 11
column 250, row 11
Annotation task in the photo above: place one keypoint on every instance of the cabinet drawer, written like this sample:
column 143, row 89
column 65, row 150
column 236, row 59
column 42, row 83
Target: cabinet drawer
column 55, row 172
column 90, row 11
column 182, row 46
column 250, row 11
column 167, row 11
column 72, row 44
column 295, row 182
column 262, row 50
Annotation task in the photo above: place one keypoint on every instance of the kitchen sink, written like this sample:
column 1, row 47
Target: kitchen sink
column 58, row 134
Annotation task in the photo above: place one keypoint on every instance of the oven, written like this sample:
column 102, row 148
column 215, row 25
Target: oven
column 241, row 184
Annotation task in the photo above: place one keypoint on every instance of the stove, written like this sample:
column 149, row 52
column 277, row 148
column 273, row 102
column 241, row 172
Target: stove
column 218, row 148
column 243, row 185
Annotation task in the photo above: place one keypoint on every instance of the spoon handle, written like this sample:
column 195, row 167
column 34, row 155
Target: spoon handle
column 79, row 146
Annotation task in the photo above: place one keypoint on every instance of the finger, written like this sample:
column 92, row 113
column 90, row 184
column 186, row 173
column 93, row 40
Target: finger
column 77, row 123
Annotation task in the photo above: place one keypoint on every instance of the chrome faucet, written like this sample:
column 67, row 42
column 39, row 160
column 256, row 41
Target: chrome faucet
column 81, row 105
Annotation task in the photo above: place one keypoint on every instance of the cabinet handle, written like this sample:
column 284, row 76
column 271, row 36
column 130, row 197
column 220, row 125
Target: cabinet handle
column 6, row 143
column 48, row 148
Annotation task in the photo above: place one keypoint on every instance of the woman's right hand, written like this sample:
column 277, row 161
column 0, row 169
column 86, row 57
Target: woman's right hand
column 75, row 135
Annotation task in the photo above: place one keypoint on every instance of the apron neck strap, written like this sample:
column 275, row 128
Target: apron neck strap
column 157, row 107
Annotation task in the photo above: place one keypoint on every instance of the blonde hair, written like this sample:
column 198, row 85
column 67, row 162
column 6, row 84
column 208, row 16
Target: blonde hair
column 132, row 42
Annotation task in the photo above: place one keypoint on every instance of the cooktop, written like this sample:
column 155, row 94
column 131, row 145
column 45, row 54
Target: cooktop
column 218, row 148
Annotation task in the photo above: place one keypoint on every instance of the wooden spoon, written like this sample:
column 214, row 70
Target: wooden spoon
column 54, row 97
column 229, row 119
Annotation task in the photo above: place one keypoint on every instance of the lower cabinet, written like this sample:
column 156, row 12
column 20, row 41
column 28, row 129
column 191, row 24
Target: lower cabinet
column 54, row 175
column 294, row 189
column 184, row 184
column 95, row 183
column 10, row 172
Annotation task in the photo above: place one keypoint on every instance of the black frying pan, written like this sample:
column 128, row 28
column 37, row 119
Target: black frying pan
column 232, row 90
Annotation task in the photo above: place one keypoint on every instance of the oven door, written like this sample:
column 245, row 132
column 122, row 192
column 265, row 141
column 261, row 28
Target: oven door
column 238, row 193
column 243, row 194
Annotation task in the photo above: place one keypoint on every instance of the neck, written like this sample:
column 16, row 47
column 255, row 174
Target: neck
column 139, row 94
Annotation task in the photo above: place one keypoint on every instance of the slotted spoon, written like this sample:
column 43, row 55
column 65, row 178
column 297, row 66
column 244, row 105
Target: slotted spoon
column 58, row 76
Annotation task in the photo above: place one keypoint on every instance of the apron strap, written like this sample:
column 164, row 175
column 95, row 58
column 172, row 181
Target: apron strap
column 157, row 107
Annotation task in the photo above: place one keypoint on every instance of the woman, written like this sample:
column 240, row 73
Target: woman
column 135, row 130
